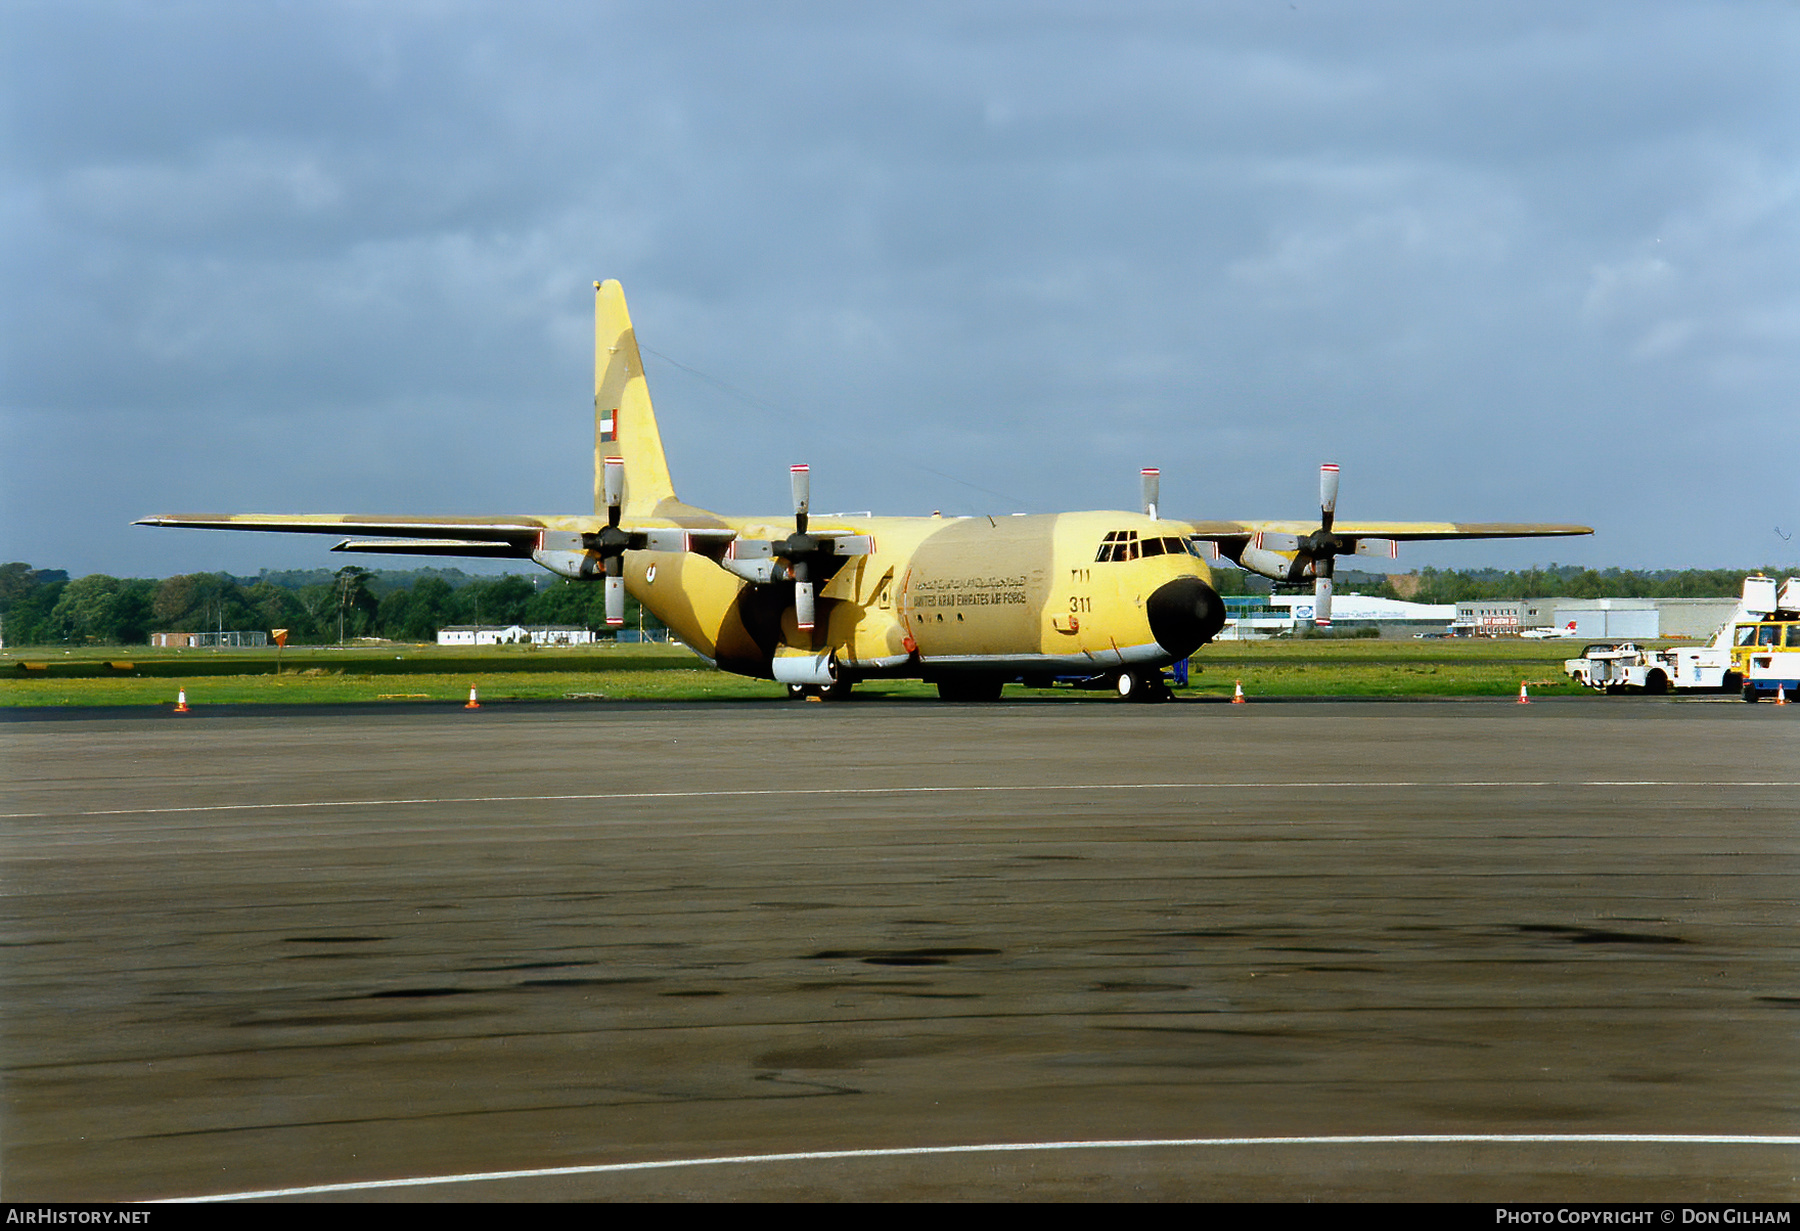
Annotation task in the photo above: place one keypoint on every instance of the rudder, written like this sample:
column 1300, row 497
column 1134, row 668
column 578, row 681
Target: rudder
column 624, row 421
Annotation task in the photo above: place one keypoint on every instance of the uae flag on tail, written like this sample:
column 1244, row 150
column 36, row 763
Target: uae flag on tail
column 609, row 425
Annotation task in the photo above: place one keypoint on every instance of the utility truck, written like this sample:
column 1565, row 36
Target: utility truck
column 1767, row 617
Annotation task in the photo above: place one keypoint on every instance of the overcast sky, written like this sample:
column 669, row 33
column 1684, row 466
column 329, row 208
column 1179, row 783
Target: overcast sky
column 1501, row 261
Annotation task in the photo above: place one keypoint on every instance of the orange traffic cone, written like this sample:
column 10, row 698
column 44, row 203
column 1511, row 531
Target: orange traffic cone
column 1237, row 696
column 473, row 703
column 1524, row 697
column 181, row 705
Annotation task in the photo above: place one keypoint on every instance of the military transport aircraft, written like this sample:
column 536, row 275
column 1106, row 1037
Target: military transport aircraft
column 1105, row 599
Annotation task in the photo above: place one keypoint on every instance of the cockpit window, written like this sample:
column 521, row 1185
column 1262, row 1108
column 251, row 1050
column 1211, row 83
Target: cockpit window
column 1125, row 545
column 1118, row 545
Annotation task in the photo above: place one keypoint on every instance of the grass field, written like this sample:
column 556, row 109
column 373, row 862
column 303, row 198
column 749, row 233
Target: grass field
column 140, row 676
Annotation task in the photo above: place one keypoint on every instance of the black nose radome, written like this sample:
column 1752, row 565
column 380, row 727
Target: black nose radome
column 1184, row 615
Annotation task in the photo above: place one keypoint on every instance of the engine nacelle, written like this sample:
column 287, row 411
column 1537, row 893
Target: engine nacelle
column 1274, row 565
column 757, row 572
column 563, row 554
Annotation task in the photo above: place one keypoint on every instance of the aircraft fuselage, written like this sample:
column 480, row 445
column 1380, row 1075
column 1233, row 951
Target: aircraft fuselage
column 1071, row 594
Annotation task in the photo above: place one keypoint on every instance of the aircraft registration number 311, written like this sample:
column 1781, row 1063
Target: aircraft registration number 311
column 1100, row 599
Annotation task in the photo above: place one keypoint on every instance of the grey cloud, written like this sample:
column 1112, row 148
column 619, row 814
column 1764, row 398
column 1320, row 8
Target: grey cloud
column 1028, row 246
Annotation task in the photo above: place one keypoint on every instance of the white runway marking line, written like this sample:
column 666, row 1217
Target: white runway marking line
column 625, row 796
column 814, row 1156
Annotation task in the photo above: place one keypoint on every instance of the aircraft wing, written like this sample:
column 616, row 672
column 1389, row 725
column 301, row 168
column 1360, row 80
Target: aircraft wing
column 1294, row 551
column 504, row 537
column 1398, row 531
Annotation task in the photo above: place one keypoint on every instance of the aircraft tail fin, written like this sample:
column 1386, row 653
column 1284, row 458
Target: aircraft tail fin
column 624, row 422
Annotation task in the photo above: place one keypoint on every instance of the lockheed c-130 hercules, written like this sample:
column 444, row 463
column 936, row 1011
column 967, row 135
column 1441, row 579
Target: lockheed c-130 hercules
column 1103, row 599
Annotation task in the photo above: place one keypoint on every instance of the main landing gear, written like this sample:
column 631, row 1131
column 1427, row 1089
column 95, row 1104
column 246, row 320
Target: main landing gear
column 837, row 690
column 970, row 688
column 1145, row 686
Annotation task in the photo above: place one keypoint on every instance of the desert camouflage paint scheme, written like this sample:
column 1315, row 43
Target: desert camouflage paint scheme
column 1099, row 598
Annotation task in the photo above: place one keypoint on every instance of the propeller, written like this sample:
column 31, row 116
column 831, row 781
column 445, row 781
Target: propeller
column 612, row 543
column 1151, row 479
column 802, row 556
column 1314, row 554
column 810, row 557
column 1325, row 559
column 802, row 549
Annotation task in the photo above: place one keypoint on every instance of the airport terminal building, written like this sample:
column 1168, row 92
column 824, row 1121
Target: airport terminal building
column 1624, row 619
column 1252, row 617
column 1255, row 616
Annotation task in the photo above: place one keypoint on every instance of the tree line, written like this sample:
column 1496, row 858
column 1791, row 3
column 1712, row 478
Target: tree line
column 1432, row 585
column 319, row 607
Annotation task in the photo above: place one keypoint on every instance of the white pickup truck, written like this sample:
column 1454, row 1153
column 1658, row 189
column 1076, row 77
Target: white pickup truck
column 1621, row 666
column 1762, row 620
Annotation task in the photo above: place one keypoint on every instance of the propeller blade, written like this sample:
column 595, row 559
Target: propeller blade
column 1274, row 540
column 615, row 601
column 749, row 549
column 614, row 488
column 1378, row 547
column 1328, row 488
column 851, row 544
column 801, row 477
column 803, row 605
column 1322, row 601
column 1151, row 478
column 667, row 540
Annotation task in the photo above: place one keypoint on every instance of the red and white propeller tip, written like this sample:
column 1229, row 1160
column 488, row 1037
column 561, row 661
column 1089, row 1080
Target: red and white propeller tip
column 801, row 478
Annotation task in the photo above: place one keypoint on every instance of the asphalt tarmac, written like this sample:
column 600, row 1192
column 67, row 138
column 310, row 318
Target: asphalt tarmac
column 254, row 951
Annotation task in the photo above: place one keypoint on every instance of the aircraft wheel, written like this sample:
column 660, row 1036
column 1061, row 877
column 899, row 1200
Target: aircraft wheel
column 1129, row 687
column 796, row 692
column 837, row 690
